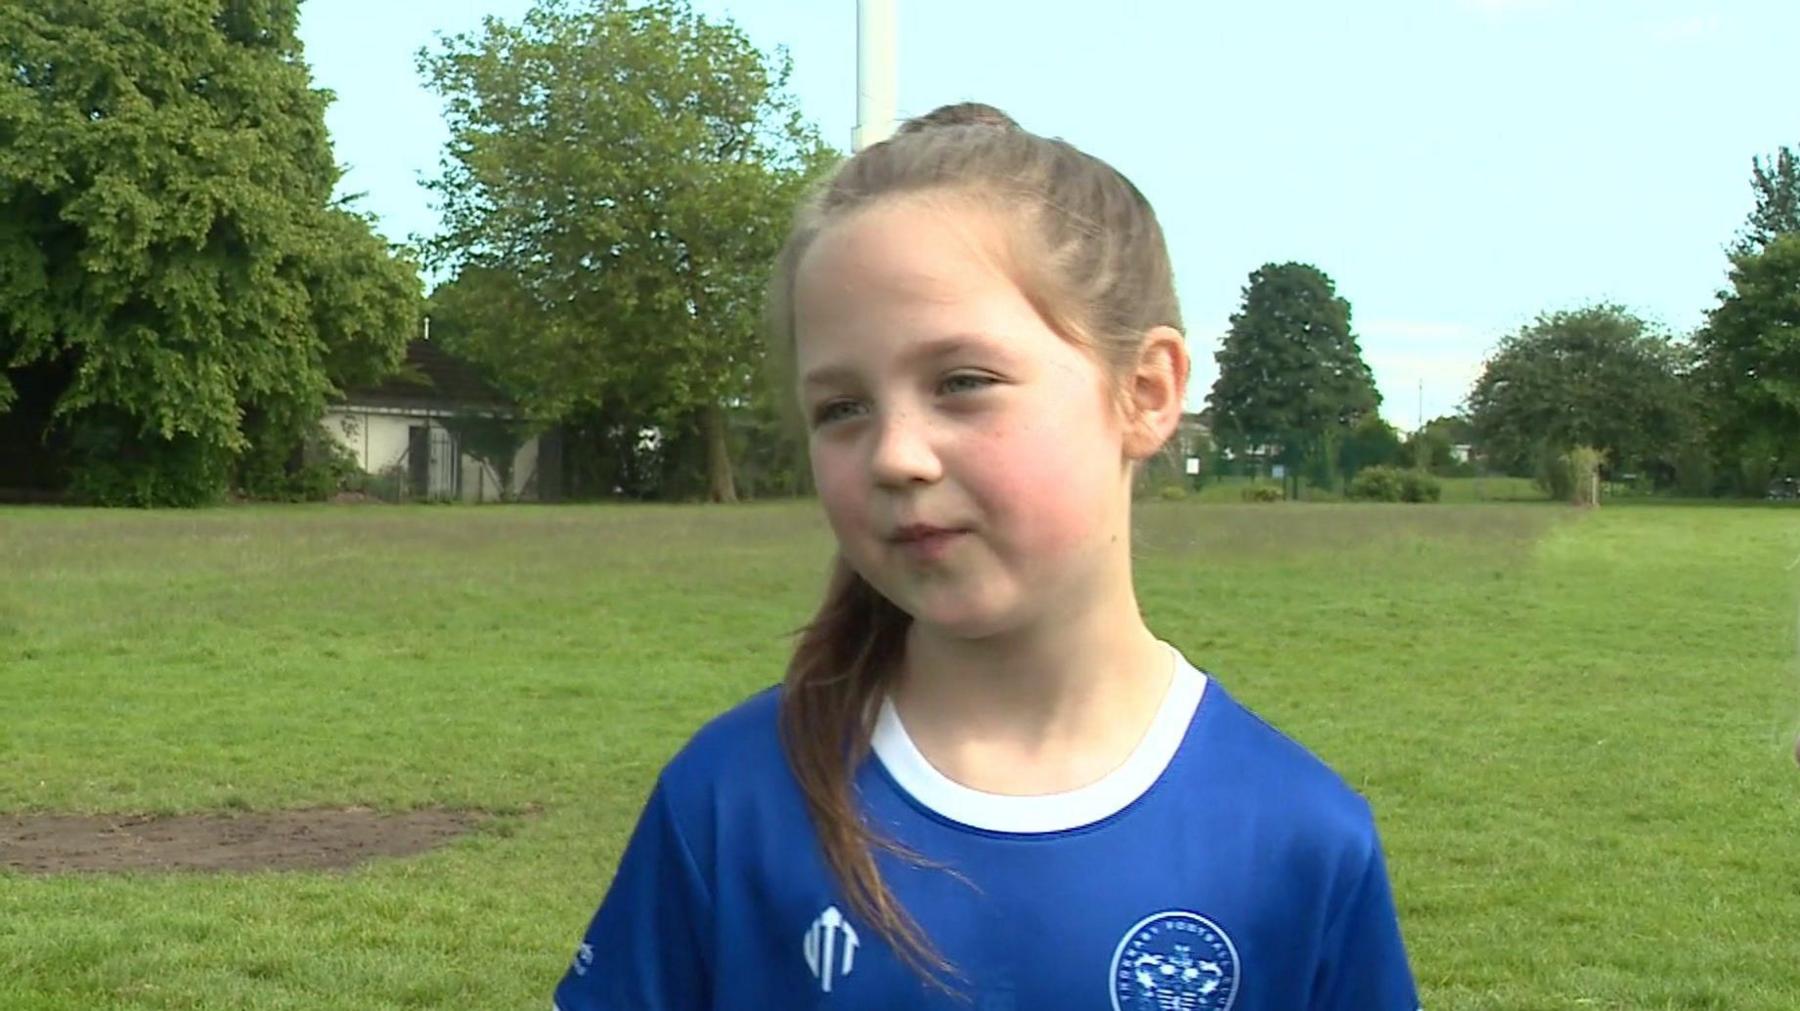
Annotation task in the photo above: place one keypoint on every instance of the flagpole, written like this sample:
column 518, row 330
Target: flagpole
column 875, row 102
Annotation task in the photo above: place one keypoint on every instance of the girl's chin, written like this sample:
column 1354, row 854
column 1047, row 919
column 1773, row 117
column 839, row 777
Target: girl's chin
column 960, row 619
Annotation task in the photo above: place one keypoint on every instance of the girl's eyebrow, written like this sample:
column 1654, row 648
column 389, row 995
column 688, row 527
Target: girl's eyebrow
column 925, row 350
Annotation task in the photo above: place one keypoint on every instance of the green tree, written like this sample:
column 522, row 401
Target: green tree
column 1371, row 442
column 1750, row 363
column 1776, row 187
column 1433, row 446
column 619, row 177
column 1291, row 375
column 176, row 285
column 1456, row 429
column 1597, row 376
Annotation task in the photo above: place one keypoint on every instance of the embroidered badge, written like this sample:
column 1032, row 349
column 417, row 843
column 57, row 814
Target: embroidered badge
column 1174, row 961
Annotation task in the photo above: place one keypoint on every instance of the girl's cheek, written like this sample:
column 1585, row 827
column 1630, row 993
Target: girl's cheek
column 1052, row 497
column 839, row 492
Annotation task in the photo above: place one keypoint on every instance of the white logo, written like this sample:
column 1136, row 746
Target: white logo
column 584, row 959
column 830, row 947
column 1174, row 961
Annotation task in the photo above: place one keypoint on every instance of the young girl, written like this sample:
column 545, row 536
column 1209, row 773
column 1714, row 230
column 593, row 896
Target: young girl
column 985, row 784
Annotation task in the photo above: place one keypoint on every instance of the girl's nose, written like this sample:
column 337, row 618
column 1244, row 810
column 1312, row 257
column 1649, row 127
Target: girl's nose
column 903, row 453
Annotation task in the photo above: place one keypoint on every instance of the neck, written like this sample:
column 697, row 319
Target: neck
column 1043, row 708
column 1034, row 672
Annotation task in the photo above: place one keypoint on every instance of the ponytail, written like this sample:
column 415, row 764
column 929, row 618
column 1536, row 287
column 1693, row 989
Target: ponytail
column 843, row 663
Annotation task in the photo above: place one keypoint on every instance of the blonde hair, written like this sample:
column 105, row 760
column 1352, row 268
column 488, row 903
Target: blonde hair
column 1091, row 258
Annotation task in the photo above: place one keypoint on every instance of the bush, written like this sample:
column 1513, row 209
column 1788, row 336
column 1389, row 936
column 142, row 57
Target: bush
column 392, row 484
column 115, row 464
column 1264, row 493
column 1419, row 486
column 1571, row 476
column 1162, row 476
column 1583, row 465
column 1553, row 475
column 283, row 467
column 1375, row 484
column 329, row 468
column 1391, row 484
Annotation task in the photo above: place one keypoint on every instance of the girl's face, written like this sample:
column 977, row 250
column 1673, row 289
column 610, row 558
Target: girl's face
column 968, row 457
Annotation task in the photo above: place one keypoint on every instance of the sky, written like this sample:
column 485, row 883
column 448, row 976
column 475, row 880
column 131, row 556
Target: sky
column 1456, row 166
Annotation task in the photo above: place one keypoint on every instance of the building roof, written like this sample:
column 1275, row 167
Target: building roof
column 432, row 379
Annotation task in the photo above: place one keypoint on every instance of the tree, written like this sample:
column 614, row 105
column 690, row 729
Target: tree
column 1371, row 442
column 1291, row 375
column 1750, row 359
column 1776, row 185
column 176, row 286
column 619, row 178
column 1456, row 429
column 1597, row 376
column 1433, row 446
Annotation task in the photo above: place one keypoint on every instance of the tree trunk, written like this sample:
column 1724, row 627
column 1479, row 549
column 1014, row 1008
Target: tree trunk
column 720, row 486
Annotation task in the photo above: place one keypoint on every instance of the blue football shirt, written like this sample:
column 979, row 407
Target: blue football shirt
column 1220, row 867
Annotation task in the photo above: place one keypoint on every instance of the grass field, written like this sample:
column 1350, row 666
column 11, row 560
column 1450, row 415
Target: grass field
column 1574, row 727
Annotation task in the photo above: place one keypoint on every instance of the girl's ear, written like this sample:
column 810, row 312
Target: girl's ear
column 1156, row 391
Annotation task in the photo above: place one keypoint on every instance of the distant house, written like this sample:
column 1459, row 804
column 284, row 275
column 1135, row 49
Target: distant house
column 435, row 430
column 1193, row 437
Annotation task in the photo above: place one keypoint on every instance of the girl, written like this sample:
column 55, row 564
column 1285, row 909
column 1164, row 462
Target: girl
column 985, row 784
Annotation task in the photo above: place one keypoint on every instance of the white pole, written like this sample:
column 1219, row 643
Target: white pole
column 875, row 102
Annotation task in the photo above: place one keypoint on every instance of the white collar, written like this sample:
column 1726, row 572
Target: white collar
column 1054, row 812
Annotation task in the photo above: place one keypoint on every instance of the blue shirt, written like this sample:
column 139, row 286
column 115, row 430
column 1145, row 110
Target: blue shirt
column 1220, row 868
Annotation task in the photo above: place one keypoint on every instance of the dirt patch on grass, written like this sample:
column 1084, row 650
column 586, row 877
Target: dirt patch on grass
column 315, row 839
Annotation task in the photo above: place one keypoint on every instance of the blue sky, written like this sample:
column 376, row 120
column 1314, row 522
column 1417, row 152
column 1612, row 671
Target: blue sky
column 1457, row 166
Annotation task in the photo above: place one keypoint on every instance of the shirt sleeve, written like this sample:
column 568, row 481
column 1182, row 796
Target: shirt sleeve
column 647, row 947
column 1364, row 966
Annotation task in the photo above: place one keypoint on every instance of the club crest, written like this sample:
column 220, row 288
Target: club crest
column 1174, row 961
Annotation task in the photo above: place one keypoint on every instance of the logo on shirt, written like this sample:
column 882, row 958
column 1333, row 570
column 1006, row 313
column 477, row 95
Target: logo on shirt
column 584, row 959
column 830, row 947
column 1174, row 961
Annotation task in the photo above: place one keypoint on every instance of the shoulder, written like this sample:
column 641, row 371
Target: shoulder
column 733, row 773
column 741, row 744
column 1278, row 781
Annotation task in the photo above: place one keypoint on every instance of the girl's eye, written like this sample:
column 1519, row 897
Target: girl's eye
column 834, row 410
column 965, row 382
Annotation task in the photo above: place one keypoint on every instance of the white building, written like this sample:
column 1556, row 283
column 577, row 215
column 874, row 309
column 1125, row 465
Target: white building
column 435, row 430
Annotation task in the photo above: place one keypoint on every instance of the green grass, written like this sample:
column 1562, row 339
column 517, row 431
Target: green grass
column 1574, row 728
